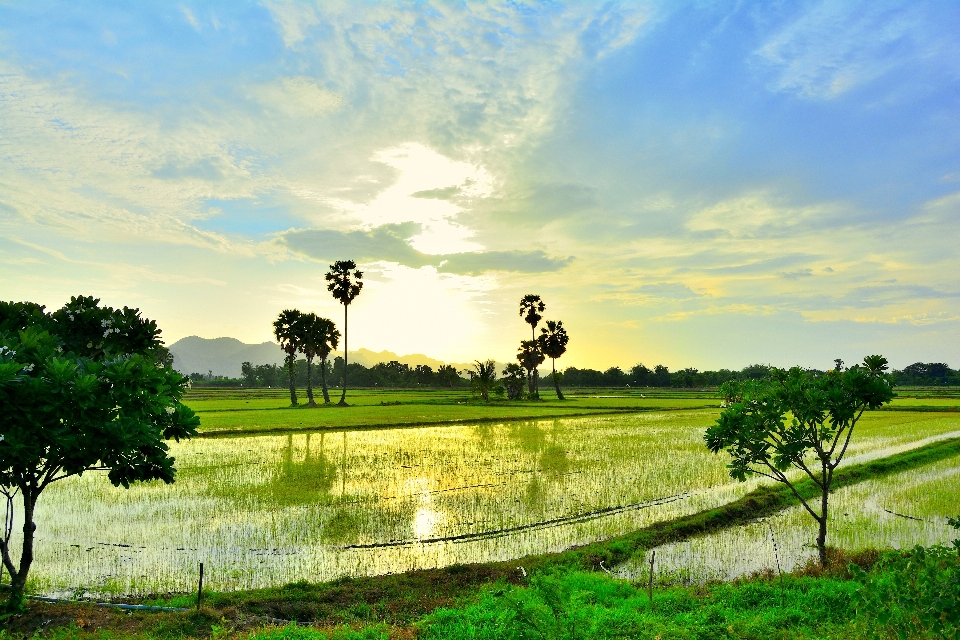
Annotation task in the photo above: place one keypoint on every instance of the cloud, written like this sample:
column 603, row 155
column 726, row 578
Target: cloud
column 794, row 275
column 476, row 262
column 837, row 46
column 390, row 243
column 298, row 96
column 668, row 291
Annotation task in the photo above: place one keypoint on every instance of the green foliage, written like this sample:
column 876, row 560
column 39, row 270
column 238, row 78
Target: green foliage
column 85, row 388
column 571, row 605
column 915, row 593
column 798, row 419
column 514, row 380
column 483, row 378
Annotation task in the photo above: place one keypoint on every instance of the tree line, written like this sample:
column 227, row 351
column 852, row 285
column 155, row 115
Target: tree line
column 391, row 374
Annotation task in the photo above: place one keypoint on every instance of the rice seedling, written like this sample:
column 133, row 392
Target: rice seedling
column 263, row 510
column 899, row 511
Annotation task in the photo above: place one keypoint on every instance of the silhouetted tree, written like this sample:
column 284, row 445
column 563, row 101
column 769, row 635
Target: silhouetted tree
column 531, row 358
column 483, row 377
column 285, row 330
column 328, row 339
column 345, row 283
column 553, row 343
column 514, row 379
column 531, row 306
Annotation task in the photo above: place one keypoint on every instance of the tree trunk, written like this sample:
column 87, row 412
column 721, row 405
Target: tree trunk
column 18, row 578
column 556, row 385
column 291, row 363
column 343, row 394
column 310, row 402
column 535, row 389
column 323, row 380
column 822, row 535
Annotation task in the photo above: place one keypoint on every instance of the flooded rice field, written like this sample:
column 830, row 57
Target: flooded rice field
column 271, row 509
column 899, row 511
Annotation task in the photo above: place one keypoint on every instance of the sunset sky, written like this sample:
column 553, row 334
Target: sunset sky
column 694, row 184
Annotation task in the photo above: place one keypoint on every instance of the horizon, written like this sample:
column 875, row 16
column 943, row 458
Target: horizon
column 706, row 186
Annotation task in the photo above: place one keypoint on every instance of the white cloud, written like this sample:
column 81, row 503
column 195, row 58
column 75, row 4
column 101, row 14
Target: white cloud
column 836, row 46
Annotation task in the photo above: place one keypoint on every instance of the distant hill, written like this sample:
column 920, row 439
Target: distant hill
column 224, row 356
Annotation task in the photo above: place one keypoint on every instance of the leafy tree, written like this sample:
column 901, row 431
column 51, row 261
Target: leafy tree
column 531, row 306
column 514, row 379
column 641, row 375
column 285, row 329
column 483, row 378
column 531, row 358
column 661, row 376
column 345, row 283
column 447, row 376
column 82, row 389
column 802, row 420
column 553, row 343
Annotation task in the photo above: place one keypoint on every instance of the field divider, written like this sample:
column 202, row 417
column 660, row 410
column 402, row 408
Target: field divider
column 226, row 433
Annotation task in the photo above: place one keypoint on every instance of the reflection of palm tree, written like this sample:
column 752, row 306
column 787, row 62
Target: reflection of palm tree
column 345, row 283
column 285, row 328
column 531, row 306
column 553, row 343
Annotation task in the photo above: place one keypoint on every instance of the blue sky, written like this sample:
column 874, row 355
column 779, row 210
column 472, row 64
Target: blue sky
column 694, row 184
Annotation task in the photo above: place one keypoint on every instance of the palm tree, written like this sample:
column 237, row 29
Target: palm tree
column 345, row 283
column 286, row 329
column 483, row 377
column 308, row 340
column 531, row 358
column 328, row 338
column 531, row 306
column 553, row 343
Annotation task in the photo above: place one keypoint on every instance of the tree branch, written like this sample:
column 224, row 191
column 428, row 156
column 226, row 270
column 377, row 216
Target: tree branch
column 796, row 493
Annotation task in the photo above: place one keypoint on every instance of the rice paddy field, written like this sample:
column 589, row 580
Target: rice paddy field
column 899, row 511
column 261, row 509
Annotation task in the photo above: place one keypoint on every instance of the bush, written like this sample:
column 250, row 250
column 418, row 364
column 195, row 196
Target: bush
column 915, row 593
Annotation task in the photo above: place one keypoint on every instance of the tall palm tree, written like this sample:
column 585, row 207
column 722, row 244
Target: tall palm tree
column 531, row 306
column 345, row 283
column 308, row 343
column 328, row 338
column 285, row 329
column 553, row 344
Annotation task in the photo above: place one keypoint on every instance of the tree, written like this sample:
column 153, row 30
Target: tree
column 514, row 379
column 553, row 344
column 328, row 338
column 286, row 330
column 82, row 389
column 483, row 378
column 798, row 419
column 531, row 306
column 530, row 358
column 345, row 283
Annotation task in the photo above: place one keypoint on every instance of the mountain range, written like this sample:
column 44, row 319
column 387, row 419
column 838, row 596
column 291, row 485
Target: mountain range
column 223, row 356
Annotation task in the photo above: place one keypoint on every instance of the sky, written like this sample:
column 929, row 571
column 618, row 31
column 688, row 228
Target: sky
column 703, row 184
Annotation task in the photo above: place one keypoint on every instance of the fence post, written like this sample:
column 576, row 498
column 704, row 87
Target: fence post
column 200, row 587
